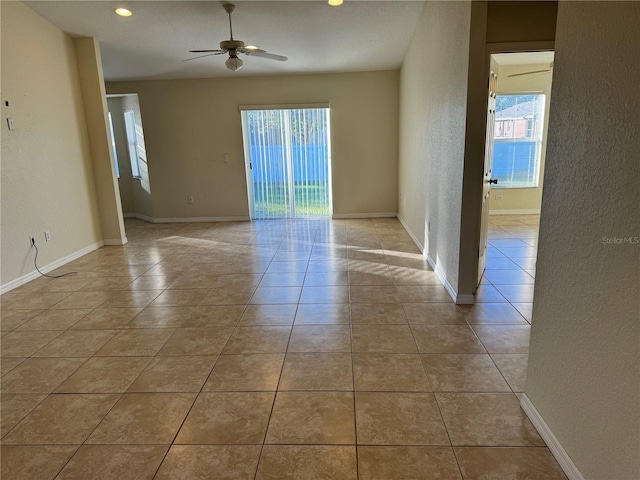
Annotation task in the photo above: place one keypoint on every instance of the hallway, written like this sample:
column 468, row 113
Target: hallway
column 319, row 349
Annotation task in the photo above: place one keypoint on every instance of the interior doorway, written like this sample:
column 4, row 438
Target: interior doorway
column 288, row 160
column 519, row 99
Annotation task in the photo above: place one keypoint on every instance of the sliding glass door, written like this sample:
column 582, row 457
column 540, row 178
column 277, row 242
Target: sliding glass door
column 288, row 159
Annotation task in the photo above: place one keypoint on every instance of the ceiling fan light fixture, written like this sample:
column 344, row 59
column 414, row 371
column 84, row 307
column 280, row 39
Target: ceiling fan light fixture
column 251, row 47
column 233, row 63
column 123, row 12
column 334, row 3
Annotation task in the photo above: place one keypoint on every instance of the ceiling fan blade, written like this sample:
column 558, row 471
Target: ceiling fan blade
column 202, row 56
column 217, row 50
column 528, row 73
column 264, row 54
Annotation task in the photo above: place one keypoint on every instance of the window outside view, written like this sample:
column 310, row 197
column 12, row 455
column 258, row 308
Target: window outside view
column 518, row 140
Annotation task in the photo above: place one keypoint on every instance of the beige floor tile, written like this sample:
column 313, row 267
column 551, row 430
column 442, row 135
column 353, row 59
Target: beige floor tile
column 61, row 419
column 317, row 371
column 83, row 300
column 399, row 419
column 291, row 279
column 320, row 338
column 401, row 463
column 433, row 314
column 114, row 462
column 492, row 313
column 228, row 296
column 227, row 418
column 432, row 293
column 25, row 343
column 170, row 298
column 327, row 278
column 383, row 339
column 174, row 374
column 514, row 369
column 276, row 295
column 289, row 462
column 14, row 407
column 107, row 318
column 373, row 294
column 389, row 373
column 380, row 276
column 76, row 343
column 479, row 463
column 152, row 282
column 446, row 339
column 258, row 340
column 54, row 319
column 104, row 375
column 252, row 372
column 410, row 276
column 464, row 373
column 143, row 418
column 489, row 294
column 517, row 293
column 136, row 343
column 504, row 338
column 8, row 364
column 188, row 281
column 131, row 298
column 322, row 314
column 160, row 317
column 213, row 315
column 377, row 313
column 312, row 418
column 222, row 462
column 33, row 302
column 525, row 309
column 34, row 462
column 486, row 419
column 12, row 319
column 269, row 315
column 197, row 341
column 40, row 375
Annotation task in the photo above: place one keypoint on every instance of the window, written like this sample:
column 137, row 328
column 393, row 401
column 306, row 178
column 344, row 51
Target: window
column 132, row 143
column 113, row 147
column 517, row 140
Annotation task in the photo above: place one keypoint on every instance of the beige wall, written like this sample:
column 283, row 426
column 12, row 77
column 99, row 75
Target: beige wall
column 47, row 172
column 528, row 199
column 584, row 364
column 190, row 124
column 433, row 101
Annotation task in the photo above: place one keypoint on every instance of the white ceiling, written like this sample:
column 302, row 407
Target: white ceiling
column 154, row 41
column 523, row 58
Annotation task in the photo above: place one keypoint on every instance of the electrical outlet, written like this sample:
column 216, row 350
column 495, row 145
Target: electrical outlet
column 10, row 124
column 32, row 240
column 225, row 158
column 428, row 225
column 189, row 199
column 47, row 236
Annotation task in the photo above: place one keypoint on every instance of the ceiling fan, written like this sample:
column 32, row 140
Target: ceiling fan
column 541, row 72
column 234, row 47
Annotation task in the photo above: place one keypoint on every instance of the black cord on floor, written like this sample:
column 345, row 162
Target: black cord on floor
column 35, row 263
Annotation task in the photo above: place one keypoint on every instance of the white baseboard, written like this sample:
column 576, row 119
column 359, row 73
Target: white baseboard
column 458, row 299
column 521, row 211
column 48, row 268
column 365, row 215
column 138, row 215
column 561, row 456
column 116, row 241
column 240, row 218
column 443, row 278
column 411, row 234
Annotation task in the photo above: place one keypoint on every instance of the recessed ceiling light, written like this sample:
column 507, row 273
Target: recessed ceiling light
column 251, row 47
column 334, row 3
column 123, row 12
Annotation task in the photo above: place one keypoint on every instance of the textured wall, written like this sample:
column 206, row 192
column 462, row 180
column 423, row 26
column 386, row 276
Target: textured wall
column 584, row 365
column 190, row 124
column 433, row 99
column 47, row 174
column 524, row 198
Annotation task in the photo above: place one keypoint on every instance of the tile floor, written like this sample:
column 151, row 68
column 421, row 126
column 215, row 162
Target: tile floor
column 271, row 350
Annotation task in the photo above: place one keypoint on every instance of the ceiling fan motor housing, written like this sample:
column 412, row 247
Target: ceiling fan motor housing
column 231, row 44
